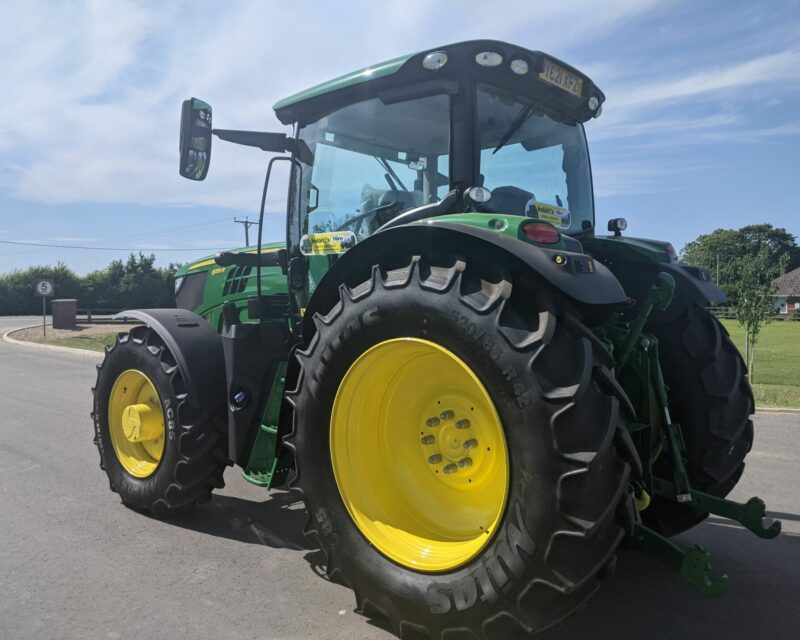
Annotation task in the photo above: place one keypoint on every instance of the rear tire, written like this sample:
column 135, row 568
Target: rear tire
column 560, row 410
column 194, row 455
column 710, row 398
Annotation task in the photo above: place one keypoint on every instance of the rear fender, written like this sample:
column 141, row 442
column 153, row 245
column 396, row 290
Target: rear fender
column 636, row 262
column 586, row 285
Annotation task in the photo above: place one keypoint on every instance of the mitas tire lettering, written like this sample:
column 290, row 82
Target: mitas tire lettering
column 484, row 581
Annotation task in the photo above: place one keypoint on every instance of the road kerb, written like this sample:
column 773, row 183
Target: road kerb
column 777, row 410
column 50, row 347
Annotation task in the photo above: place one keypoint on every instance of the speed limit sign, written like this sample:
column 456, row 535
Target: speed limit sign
column 43, row 288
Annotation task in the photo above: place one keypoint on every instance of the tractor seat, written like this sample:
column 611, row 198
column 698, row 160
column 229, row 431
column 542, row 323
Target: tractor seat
column 510, row 200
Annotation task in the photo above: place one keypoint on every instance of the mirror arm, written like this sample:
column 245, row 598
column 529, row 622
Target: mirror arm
column 274, row 142
column 267, row 141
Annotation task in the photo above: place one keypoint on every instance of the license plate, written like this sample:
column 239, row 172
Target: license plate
column 560, row 77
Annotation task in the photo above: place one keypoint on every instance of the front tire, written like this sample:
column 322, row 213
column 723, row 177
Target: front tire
column 558, row 412
column 161, row 455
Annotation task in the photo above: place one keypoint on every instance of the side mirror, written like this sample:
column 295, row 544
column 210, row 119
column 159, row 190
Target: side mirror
column 195, row 141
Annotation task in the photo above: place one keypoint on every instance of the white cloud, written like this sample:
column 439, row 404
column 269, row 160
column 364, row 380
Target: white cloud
column 779, row 68
column 93, row 115
column 629, row 178
column 754, row 135
column 659, row 126
column 644, row 108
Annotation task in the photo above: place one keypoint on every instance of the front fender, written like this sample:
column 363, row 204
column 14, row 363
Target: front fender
column 196, row 347
column 586, row 284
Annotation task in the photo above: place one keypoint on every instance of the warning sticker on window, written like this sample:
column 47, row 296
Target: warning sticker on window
column 321, row 244
column 557, row 216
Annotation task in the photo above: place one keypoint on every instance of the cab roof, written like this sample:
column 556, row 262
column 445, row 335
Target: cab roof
column 390, row 76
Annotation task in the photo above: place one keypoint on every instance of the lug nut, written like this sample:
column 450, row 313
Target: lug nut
column 465, row 462
column 432, row 422
column 435, row 459
column 471, row 443
column 447, row 415
column 427, row 440
column 450, row 468
column 462, row 424
column 240, row 399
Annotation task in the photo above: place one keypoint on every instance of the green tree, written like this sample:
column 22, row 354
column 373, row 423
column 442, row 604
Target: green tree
column 729, row 253
column 755, row 305
column 136, row 282
column 16, row 288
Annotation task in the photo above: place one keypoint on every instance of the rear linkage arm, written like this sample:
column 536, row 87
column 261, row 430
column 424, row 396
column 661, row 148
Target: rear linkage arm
column 692, row 563
column 750, row 515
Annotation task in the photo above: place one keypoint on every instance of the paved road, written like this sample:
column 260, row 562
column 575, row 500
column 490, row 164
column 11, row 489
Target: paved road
column 75, row 563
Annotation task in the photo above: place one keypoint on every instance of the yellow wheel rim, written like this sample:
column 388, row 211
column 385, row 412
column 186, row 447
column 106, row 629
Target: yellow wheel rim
column 136, row 423
column 419, row 454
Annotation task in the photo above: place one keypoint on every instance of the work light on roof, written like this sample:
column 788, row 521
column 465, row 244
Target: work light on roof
column 489, row 59
column 435, row 60
column 520, row 67
column 593, row 103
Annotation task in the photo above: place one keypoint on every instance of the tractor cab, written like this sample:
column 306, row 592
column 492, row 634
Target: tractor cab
column 502, row 121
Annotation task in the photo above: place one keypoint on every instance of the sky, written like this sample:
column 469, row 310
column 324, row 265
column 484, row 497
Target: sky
column 700, row 128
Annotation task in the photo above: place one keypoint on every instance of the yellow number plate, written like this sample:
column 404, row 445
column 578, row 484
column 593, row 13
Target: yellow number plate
column 560, row 77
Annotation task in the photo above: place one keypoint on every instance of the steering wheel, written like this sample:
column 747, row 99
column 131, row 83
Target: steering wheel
column 357, row 221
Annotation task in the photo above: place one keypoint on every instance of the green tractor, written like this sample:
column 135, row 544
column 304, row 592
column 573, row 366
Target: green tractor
column 478, row 398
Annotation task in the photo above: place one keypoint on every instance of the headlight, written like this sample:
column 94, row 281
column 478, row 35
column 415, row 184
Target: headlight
column 435, row 60
column 519, row 66
column 489, row 59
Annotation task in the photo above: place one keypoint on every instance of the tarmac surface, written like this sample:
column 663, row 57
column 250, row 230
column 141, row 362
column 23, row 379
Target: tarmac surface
column 75, row 563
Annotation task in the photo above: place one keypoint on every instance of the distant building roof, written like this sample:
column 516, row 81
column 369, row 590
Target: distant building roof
column 788, row 284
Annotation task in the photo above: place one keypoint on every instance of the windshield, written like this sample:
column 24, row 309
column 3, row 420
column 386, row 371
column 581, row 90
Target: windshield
column 372, row 161
column 533, row 165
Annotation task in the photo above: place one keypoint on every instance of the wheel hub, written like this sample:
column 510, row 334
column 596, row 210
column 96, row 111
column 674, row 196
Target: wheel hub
column 419, row 454
column 140, row 423
column 450, row 446
column 136, row 423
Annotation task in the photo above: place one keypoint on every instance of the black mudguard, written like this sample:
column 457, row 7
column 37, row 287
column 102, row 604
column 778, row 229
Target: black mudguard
column 197, row 349
column 586, row 284
column 693, row 285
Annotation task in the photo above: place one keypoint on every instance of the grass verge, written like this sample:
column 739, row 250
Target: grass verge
column 96, row 342
column 776, row 395
column 776, row 365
